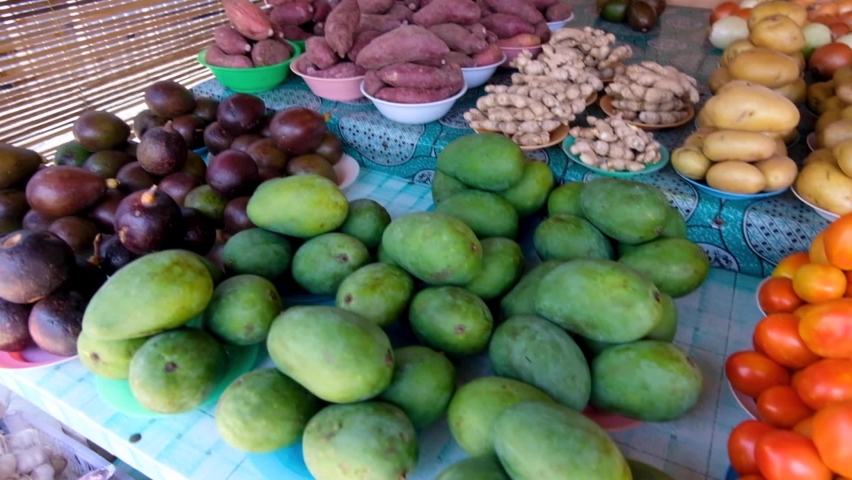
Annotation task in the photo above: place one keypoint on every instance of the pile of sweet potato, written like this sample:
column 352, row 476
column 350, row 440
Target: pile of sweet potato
column 522, row 23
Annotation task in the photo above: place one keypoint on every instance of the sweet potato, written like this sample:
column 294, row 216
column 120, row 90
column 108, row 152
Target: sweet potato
column 248, row 19
column 558, row 12
column 483, row 8
column 321, row 10
column 436, row 62
column 319, row 53
column 291, row 32
column 415, row 95
column 376, row 7
column 270, row 52
column 489, row 56
column 520, row 8
column 408, row 43
column 400, row 11
column 544, row 4
column 542, row 31
column 379, row 23
column 341, row 70
column 459, row 59
column 341, row 25
column 303, row 65
column 478, row 29
column 411, row 75
column 216, row 57
column 463, row 12
column 361, row 41
column 459, row 38
column 491, row 37
column 276, row 3
column 296, row 13
column 522, row 40
column 413, row 5
column 507, row 26
column 230, row 41
column 372, row 83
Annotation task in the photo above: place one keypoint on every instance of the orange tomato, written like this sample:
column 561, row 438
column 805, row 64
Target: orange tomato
column 816, row 283
column 789, row 264
column 724, row 9
column 838, row 28
column 741, row 445
column 752, row 477
column 826, row 329
column 776, row 295
column 777, row 337
column 817, row 251
column 805, row 427
column 848, row 283
column 743, row 13
column 780, row 406
column 837, row 241
column 844, row 6
column 751, row 373
column 832, row 435
column 804, row 309
column 785, row 455
column 825, row 382
column 846, row 18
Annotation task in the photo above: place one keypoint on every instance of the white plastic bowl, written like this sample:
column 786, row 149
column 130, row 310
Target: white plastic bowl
column 819, row 211
column 477, row 76
column 414, row 113
column 554, row 26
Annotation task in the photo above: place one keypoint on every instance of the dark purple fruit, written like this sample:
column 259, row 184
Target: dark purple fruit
column 56, row 321
column 215, row 139
column 146, row 120
column 240, row 114
column 104, row 212
column 79, row 233
column 132, row 177
column 298, row 130
column 264, row 127
column 32, row 265
column 200, row 232
column 13, row 207
column 330, row 148
column 14, row 329
column 37, row 221
column 112, row 255
column 61, row 191
column 235, row 218
column 243, row 142
column 267, row 154
column 87, row 277
column 169, row 99
column 311, row 164
column 149, row 221
column 162, row 151
column 266, row 173
column 100, row 131
column 177, row 185
column 130, row 148
column 107, row 163
column 191, row 128
column 233, row 174
column 205, row 108
column 195, row 166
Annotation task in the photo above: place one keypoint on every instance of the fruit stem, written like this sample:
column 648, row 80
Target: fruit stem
column 148, row 197
column 95, row 259
column 112, row 183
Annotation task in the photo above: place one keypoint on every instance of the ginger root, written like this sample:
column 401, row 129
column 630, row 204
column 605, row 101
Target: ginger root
column 614, row 145
column 596, row 48
column 652, row 93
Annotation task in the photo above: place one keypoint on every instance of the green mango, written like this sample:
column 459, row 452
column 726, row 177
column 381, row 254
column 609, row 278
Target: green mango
column 530, row 194
column 568, row 237
column 322, row 263
column 477, row 405
column 366, row 221
column 486, row 161
column 378, row 292
column 445, row 186
column 157, row 292
column 71, row 154
column 629, row 212
column 480, row 468
column 565, row 199
column 264, row 411
column 108, row 358
column 422, row 386
column 537, row 352
column 382, row 255
column 486, row 213
column 338, row 356
column 642, row 471
column 301, row 206
column 677, row 266
column 600, row 300
column 536, row 440
column 667, row 328
column 242, row 310
column 372, row 440
column 436, row 248
column 257, row 252
column 502, row 266
column 675, row 225
column 451, row 319
column 521, row 299
column 648, row 380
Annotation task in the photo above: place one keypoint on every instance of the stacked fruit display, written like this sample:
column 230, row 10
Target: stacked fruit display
column 799, row 371
column 641, row 15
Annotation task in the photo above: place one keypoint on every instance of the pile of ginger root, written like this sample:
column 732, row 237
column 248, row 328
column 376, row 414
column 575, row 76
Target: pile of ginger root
column 597, row 49
column 614, row 145
column 653, row 94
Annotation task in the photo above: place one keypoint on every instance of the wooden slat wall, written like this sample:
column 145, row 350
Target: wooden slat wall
column 61, row 57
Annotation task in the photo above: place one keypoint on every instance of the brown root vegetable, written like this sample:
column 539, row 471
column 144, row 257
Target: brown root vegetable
column 340, row 70
column 319, row 53
column 520, row 8
column 463, row 12
column 372, row 83
column 270, row 52
column 415, row 95
column 401, row 12
column 408, row 43
column 295, row 13
column 248, row 19
column 460, row 59
column 507, row 26
column 361, row 41
column 542, row 31
column 558, row 12
column 375, row 6
column 216, row 57
column 321, row 10
column 545, row 4
column 291, row 32
column 459, row 38
column 489, row 56
column 379, row 23
column 341, row 25
column 478, row 29
column 231, row 41
column 411, row 75
column 522, row 40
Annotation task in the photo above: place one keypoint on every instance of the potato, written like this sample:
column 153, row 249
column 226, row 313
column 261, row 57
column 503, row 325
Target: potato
column 842, row 152
column 736, row 177
column 799, row 57
column 779, row 171
column 827, row 119
column 843, row 90
column 690, row 162
column 835, row 133
column 780, row 147
column 842, row 73
column 703, row 119
column 793, row 11
column 818, row 93
column 718, row 79
column 765, row 67
column 826, row 186
column 742, row 106
column 733, row 50
column 737, row 145
column 790, row 136
column 796, row 91
column 696, row 139
column 779, row 33
column 846, row 112
column 820, row 155
column 832, row 103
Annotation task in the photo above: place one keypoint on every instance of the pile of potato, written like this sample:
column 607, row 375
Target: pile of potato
column 832, row 100
column 739, row 147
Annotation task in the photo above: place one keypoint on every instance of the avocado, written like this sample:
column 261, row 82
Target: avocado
column 36, row 221
column 267, row 154
column 162, row 151
column 149, row 221
column 330, row 148
column 14, row 332
column 17, row 165
column 60, row 191
column 72, row 154
column 615, row 11
column 243, row 142
column 215, row 139
column 311, row 164
column 208, row 201
column 191, row 128
column 79, row 233
column 659, row 6
column 32, row 265
column 199, row 231
column 169, row 99
column 98, row 131
column 112, row 255
column 233, row 174
column 235, row 218
column 87, row 277
column 13, row 208
column 146, row 120
column 55, row 322
column 205, row 108
column 107, row 163
column 195, row 166
column 241, row 113
column 641, row 16
column 103, row 214
column 178, row 185
column 132, row 177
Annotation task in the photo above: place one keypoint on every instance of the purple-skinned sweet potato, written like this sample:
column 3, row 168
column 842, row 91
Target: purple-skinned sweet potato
column 520, row 41
column 372, row 83
column 231, row 41
column 319, row 53
column 413, row 5
column 375, row 7
column 276, row 3
column 542, row 31
column 507, row 26
column 459, row 38
column 491, row 37
column 483, row 8
column 460, row 59
column 379, row 23
column 216, row 57
column 415, row 95
column 544, row 4
column 321, row 10
column 558, row 12
column 463, row 12
column 341, row 70
column 408, row 43
column 400, row 11
column 361, row 41
column 478, row 29
column 489, row 56
column 319, row 29
column 520, row 8
column 296, row 13
column 412, row 75
column 270, row 52
column 341, row 25
column 291, row 32
column 248, row 19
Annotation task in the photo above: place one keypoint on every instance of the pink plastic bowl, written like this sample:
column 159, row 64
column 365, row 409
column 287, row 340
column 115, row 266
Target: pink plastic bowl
column 513, row 52
column 334, row 89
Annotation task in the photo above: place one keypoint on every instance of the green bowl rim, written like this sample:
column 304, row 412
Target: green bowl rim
column 297, row 51
column 656, row 167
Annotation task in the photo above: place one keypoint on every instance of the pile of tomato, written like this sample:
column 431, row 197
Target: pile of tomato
column 800, row 370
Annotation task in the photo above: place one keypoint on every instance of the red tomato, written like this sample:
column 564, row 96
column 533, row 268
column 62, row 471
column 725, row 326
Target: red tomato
column 752, row 477
column 781, row 407
column 724, row 9
column 805, row 427
column 751, row 373
column 776, row 295
column 824, row 382
column 777, row 337
column 832, row 435
column 741, row 445
column 826, row 329
column 784, row 455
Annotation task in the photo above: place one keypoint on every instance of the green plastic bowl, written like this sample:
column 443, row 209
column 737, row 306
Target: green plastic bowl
column 300, row 43
column 252, row 80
